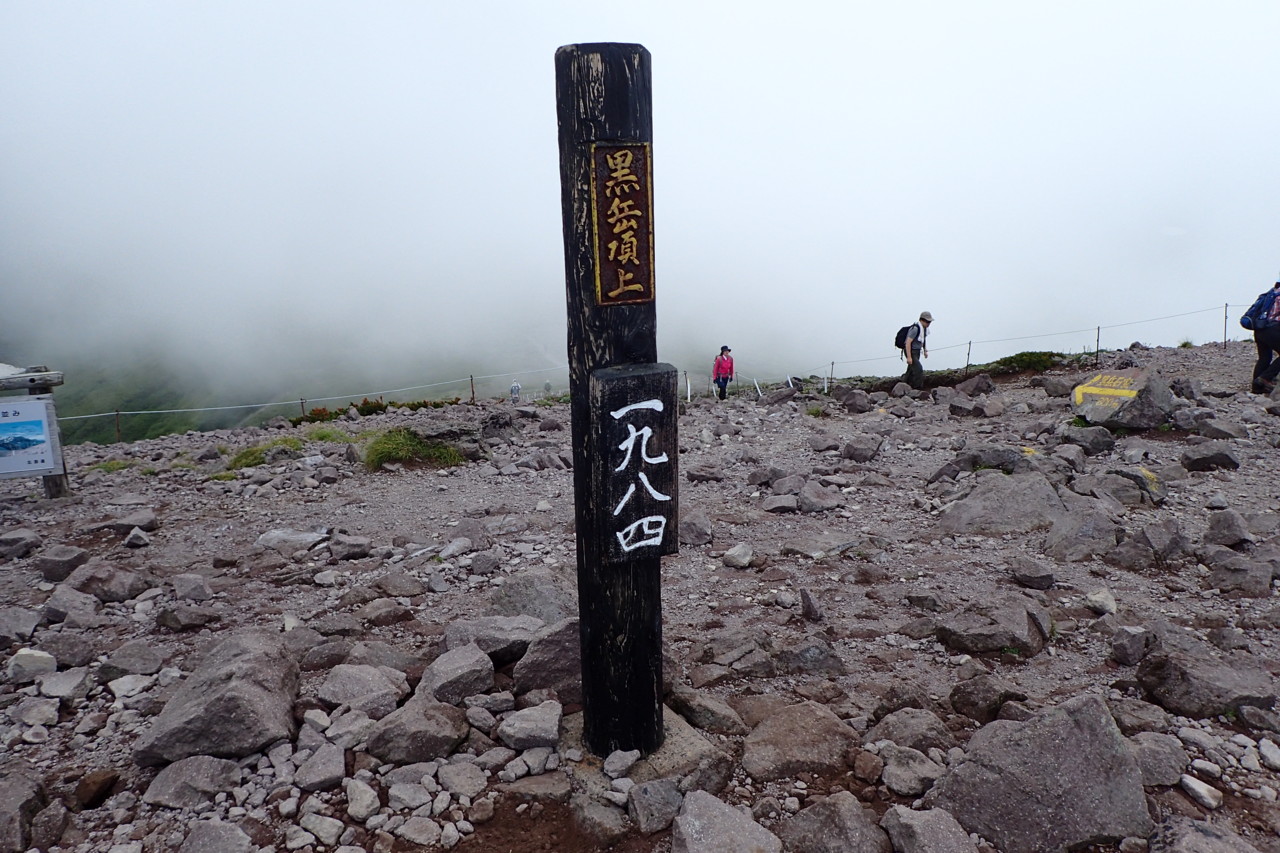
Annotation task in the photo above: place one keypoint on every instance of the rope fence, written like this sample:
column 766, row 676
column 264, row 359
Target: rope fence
column 827, row 371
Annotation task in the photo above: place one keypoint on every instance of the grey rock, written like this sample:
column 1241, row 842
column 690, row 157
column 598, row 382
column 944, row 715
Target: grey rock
column 214, row 836
column 364, row 688
column 398, row 583
column 553, row 661
column 1129, row 645
column 190, row 782
column 1009, row 787
column 1081, row 535
column 1151, row 405
column 862, row 448
column 191, row 587
column 1007, row 623
column 1031, row 574
column 780, row 504
column 17, row 624
column 26, row 665
column 604, row 824
column 1210, row 456
column 323, row 770
column 457, row 674
column 814, row 497
column 16, row 544
column 1002, row 504
column 695, row 527
column 57, row 562
column 1227, row 527
column 421, row 730
column 462, row 779
column 22, row 796
column 809, row 655
column 739, row 556
column 908, row 772
column 685, row 754
column 503, row 638
column 345, row 547
column 136, row 657
column 912, row 727
column 532, row 727
column 1161, row 758
column 1178, row 834
column 1239, row 576
column 144, row 519
column 654, row 805
column 239, row 700
column 927, row 831
column 803, row 738
column 837, row 824
column 108, row 583
column 1193, row 679
column 287, row 541
column 706, row 712
column 543, row 594
column 1094, row 440
column 708, row 825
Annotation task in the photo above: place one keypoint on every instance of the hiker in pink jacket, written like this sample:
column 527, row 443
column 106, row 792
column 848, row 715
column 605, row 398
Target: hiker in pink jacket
column 722, row 372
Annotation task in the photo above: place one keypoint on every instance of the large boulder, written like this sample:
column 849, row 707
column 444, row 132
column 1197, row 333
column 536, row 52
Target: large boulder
column 1012, row 623
column 1001, row 503
column 1193, row 679
column 709, row 825
column 553, row 661
column 238, row 701
column 421, row 730
column 1128, row 399
column 803, row 738
column 837, row 824
column 21, row 797
column 1062, row 780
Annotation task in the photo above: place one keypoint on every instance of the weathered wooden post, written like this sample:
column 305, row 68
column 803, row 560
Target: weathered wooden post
column 623, row 403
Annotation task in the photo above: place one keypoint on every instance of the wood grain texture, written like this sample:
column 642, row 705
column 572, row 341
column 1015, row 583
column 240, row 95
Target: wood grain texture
column 603, row 94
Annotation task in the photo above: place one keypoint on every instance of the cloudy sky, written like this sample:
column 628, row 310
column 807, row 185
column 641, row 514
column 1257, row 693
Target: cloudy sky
column 316, row 185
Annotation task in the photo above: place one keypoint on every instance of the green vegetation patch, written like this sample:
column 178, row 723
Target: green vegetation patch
column 252, row 457
column 111, row 466
column 1036, row 361
column 407, row 447
column 816, row 412
column 223, row 476
column 324, row 433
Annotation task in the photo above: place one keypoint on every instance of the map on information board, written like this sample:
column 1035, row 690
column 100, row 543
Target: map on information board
column 28, row 438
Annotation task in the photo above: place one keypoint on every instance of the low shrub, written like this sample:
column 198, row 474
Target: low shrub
column 1035, row 361
column 252, row 457
column 323, row 433
column 406, row 446
column 111, row 466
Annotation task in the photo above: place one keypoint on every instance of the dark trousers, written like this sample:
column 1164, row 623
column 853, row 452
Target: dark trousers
column 722, row 387
column 1268, row 343
column 915, row 372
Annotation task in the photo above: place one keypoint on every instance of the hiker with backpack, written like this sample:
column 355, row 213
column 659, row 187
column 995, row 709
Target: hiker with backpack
column 1263, row 318
column 913, row 341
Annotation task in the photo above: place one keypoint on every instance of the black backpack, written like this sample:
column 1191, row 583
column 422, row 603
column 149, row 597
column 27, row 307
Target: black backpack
column 900, row 339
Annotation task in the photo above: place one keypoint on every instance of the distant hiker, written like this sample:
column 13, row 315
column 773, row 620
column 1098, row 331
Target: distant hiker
column 916, row 346
column 1263, row 317
column 515, row 393
column 722, row 372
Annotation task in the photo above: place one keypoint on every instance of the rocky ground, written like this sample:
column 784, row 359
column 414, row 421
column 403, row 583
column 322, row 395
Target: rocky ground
column 947, row 621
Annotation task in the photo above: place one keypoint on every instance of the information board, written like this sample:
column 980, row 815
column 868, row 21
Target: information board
column 29, row 437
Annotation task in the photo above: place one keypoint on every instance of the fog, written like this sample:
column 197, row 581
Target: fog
column 370, row 191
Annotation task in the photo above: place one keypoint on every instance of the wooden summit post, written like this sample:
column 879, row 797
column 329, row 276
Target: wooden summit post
column 623, row 402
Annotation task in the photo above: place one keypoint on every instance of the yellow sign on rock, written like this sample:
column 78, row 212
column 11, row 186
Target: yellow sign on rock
column 1105, row 391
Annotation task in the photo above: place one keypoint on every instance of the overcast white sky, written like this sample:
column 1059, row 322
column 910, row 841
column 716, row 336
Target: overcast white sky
column 323, row 183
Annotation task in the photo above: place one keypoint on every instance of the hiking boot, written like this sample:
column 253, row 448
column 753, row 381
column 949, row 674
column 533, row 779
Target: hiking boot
column 1263, row 386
